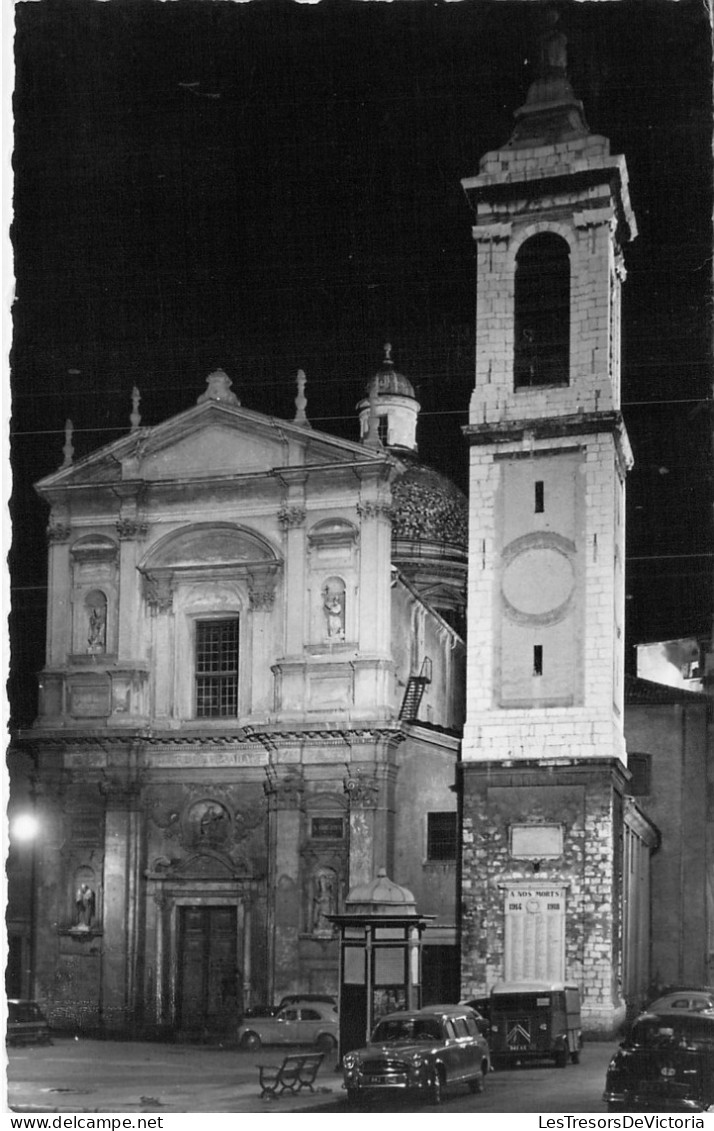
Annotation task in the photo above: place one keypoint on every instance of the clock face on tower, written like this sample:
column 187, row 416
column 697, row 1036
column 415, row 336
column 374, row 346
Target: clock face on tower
column 538, row 578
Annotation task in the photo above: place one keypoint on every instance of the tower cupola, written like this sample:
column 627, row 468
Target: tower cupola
column 390, row 396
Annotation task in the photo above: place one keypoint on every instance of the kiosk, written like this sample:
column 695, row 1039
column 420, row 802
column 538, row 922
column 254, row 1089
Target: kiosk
column 380, row 957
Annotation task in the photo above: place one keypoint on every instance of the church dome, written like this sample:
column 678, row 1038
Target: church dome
column 428, row 507
column 388, row 381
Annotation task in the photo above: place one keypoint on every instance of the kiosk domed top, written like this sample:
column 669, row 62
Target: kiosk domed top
column 380, row 896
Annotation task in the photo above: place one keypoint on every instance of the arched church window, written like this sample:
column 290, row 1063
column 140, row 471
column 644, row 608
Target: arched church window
column 542, row 312
column 95, row 606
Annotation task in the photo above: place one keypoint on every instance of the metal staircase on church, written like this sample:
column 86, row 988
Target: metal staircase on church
column 415, row 691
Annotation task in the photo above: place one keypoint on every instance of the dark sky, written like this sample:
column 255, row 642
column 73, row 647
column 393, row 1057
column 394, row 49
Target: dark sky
column 272, row 185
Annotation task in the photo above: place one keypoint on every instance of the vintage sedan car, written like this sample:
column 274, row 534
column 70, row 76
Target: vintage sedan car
column 313, row 1023
column 665, row 1064
column 305, row 999
column 692, row 1001
column 26, row 1023
column 422, row 1051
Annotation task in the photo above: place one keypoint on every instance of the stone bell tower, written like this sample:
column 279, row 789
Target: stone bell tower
column 543, row 752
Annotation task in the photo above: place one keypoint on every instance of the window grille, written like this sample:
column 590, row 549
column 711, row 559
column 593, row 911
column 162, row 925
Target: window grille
column 441, row 836
column 217, row 668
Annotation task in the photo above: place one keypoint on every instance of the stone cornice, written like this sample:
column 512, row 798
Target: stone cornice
column 265, row 737
column 554, row 427
column 640, row 824
column 533, row 771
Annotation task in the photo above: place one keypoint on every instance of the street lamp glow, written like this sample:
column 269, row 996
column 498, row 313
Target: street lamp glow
column 24, row 827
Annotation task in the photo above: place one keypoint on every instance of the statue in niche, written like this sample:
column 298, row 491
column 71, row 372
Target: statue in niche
column 324, row 901
column 97, row 627
column 334, row 605
column 85, row 904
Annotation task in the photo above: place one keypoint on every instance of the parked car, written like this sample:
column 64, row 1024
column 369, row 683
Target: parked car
column 692, row 1001
column 262, row 1010
column 294, row 999
column 26, row 1023
column 422, row 1051
column 665, row 1064
column 535, row 1021
column 313, row 1023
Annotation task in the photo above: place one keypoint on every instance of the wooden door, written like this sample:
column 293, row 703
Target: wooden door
column 208, row 973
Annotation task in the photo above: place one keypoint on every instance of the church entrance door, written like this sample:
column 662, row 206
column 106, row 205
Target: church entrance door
column 208, row 981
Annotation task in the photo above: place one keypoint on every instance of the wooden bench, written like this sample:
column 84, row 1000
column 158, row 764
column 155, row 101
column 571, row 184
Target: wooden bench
column 295, row 1073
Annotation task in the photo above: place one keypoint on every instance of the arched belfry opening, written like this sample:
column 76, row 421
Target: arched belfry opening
column 541, row 353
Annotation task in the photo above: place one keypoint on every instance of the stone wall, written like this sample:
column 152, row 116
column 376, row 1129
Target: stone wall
column 585, row 802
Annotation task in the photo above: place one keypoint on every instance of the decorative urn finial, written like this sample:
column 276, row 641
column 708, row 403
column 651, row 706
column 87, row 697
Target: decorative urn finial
column 68, row 449
column 301, row 400
column 135, row 418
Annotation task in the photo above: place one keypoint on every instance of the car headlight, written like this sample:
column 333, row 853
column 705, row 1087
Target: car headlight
column 349, row 1060
column 416, row 1060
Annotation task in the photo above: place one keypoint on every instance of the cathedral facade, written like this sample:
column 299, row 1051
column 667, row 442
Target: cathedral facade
column 248, row 707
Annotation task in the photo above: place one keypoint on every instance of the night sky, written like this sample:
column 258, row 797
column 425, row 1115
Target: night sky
column 271, row 185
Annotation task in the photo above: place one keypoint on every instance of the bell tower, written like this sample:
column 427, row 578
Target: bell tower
column 543, row 756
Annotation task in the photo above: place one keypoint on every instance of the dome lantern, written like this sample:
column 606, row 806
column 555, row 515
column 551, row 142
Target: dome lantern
column 391, row 396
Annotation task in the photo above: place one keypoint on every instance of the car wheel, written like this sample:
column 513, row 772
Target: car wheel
column 353, row 1096
column 436, row 1092
column 326, row 1042
column 250, row 1041
column 476, row 1085
column 561, row 1058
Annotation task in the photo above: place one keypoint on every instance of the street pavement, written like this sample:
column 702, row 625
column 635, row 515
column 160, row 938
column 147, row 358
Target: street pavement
column 80, row 1075
column 77, row 1076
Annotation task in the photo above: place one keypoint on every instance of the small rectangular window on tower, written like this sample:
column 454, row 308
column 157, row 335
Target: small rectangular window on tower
column 537, row 659
column 539, row 496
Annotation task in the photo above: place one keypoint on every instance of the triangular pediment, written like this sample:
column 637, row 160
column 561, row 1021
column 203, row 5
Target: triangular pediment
column 211, row 440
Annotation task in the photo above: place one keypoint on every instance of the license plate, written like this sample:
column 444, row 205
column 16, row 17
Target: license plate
column 371, row 1081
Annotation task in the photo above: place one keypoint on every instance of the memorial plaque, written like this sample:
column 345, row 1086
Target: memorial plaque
column 540, row 842
column 535, row 934
column 89, row 701
column 327, row 828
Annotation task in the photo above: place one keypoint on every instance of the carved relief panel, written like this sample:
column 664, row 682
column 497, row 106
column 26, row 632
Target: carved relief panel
column 194, row 831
